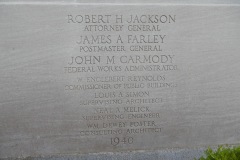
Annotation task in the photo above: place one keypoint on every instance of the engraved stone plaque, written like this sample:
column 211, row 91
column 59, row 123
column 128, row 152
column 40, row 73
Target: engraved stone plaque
column 88, row 77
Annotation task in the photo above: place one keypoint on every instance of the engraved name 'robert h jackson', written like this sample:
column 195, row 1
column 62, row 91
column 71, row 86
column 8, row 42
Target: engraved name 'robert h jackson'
column 120, row 18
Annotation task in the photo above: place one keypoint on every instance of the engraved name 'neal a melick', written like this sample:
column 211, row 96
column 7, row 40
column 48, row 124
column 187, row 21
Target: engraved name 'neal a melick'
column 89, row 78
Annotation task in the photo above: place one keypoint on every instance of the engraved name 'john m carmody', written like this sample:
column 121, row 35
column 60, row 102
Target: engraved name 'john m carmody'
column 136, row 59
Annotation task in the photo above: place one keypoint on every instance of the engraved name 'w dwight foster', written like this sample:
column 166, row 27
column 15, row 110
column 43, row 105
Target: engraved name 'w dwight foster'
column 135, row 59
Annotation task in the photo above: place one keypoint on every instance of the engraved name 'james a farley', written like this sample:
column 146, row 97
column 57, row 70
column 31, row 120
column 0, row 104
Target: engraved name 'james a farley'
column 103, row 39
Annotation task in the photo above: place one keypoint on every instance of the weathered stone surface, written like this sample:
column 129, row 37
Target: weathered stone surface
column 84, row 78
